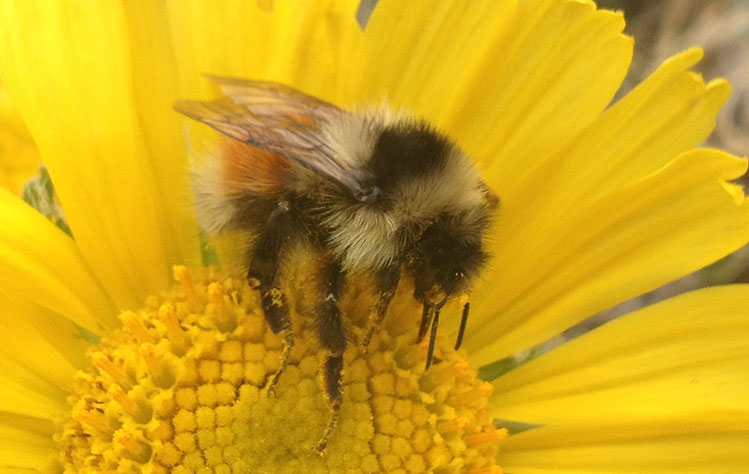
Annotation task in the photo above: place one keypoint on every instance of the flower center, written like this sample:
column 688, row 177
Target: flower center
column 180, row 388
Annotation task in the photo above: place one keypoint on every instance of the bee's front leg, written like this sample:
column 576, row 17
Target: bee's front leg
column 332, row 338
column 263, row 275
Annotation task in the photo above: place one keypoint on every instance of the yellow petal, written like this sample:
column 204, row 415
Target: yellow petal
column 25, row 392
column 306, row 45
column 662, row 447
column 25, row 442
column 670, row 112
column 504, row 78
column 19, row 158
column 662, row 390
column 416, row 51
column 39, row 354
column 682, row 359
column 13, row 470
column 629, row 241
column 48, row 344
column 214, row 38
column 91, row 133
column 42, row 265
column 154, row 76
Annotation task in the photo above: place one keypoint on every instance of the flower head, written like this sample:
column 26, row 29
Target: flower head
column 182, row 386
column 108, row 366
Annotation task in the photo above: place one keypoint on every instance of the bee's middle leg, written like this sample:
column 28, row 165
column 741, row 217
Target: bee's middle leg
column 263, row 275
column 332, row 338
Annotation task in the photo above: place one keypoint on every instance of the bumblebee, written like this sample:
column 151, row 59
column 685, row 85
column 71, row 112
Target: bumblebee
column 376, row 192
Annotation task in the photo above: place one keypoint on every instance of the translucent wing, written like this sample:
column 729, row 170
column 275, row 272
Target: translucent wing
column 264, row 93
column 280, row 119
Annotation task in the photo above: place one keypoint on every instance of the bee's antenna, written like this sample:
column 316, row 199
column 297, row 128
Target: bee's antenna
column 463, row 322
column 425, row 320
column 433, row 335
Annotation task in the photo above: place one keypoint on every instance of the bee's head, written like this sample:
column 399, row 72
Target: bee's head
column 447, row 256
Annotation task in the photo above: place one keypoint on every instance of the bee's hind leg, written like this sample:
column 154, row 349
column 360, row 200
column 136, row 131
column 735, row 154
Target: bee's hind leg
column 386, row 282
column 263, row 276
column 332, row 338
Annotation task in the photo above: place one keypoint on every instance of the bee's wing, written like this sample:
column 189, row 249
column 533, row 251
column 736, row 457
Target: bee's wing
column 279, row 119
column 260, row 93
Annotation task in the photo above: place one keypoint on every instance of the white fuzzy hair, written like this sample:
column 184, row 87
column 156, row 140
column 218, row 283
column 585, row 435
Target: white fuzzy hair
column 215, row 210
column 365, row 237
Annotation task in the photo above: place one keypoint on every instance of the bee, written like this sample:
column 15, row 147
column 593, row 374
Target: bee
column 374, row 192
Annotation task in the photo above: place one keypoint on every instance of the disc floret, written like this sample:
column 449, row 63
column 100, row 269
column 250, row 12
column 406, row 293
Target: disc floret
column 181, row 387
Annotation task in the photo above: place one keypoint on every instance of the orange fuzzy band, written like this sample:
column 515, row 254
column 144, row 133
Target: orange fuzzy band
column 247, row 168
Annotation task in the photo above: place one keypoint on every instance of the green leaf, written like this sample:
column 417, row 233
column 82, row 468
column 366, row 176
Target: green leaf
column 39, row 193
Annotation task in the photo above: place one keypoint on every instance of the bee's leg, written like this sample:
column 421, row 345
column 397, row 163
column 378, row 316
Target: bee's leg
column 426, row 318
column 463, row 322
column 386, row 283
column 332, row 338
column 433, row 334
column 263, row 276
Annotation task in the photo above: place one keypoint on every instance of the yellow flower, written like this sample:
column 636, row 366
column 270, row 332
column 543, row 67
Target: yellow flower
column 105, row 366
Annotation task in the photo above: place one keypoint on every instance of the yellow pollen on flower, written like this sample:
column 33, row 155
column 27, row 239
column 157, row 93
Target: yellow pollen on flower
column 182, row 275
column 181, row 388
column 222, row 315
column 455, row 424
column 103, row 363
column 175, row 333
column 486, row 437
column 126, row 402
column 93, row 419
column 134, row 448
column 136, row 328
